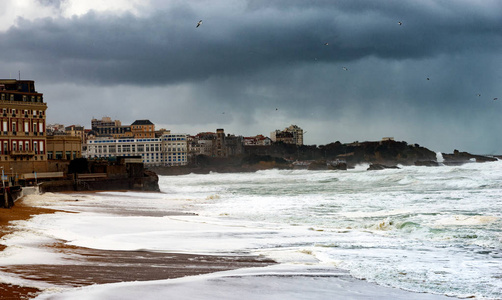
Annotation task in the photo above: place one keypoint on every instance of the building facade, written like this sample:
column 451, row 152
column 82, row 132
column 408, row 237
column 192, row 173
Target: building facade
column 290, row 135
column 215, row 144
column 167, row 150
column 143, row 129
column 22, row 127
column 110, row 128
column 64, row 147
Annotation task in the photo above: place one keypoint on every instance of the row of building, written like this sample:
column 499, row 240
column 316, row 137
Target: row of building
column 28, row 144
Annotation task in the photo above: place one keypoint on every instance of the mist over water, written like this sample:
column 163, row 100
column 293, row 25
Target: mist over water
column 433, row 230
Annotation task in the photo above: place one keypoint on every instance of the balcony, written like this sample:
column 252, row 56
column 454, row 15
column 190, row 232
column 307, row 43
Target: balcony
column 22, row 153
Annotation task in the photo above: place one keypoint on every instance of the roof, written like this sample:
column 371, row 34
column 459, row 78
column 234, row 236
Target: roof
column 142, row 122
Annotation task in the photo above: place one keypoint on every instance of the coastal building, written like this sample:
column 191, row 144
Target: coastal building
column 143, row 129
column 23, row 143
column 108, row 128
column 258, row 140
column 215, row 144
column 168, row 150
column 290, row 135
column 64, row 147
column 55, row 129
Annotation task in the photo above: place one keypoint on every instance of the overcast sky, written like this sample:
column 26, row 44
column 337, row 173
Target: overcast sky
column 343, row 70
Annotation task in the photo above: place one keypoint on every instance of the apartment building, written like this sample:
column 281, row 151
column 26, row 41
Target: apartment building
column 290, row 135
column 110, row 128
column 22, row 127
column 215, row 144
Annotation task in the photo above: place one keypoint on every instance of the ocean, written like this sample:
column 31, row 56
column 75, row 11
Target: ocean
column 408, row 233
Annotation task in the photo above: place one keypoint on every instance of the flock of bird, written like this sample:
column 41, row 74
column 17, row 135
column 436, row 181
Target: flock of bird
column 345, row 68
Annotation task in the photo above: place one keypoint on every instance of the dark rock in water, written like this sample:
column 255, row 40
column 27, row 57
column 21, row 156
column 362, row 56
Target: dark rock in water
column 427, row 163
column 458, row 158
column 337, row 165
column 318, row 165
column 374, row 167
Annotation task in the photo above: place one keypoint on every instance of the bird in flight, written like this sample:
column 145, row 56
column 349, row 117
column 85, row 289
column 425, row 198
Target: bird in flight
column 494, row 99
column 428, row 78
column 198, row 24
column 479, row 95
column 400, row 23
column 326, row 44
column 345, row 69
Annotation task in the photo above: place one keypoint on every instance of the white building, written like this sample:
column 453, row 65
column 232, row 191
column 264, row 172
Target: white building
column 167, row 150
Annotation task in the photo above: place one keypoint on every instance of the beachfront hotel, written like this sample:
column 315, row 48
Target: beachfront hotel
column 166, row 150
column 23, row 142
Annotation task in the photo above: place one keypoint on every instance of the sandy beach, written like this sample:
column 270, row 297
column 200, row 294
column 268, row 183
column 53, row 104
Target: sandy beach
column 20, row 211
column 90, row 266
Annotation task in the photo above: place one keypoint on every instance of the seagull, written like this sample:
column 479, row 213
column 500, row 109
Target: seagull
column 345, row 69
column 479, row 95
column 428, row 78
column 400, row 23
column 495, row 99
column 326, row 44
column 199, row 23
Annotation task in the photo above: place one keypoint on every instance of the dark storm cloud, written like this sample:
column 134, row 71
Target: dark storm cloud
column 166, row 47
column 262, row 65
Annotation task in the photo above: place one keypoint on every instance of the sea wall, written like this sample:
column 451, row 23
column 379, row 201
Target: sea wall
column 149, row 182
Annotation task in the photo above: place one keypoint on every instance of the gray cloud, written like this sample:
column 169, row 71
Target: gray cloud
column 259, row 62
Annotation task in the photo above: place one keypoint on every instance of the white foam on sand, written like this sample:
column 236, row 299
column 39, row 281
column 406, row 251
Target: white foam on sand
column 273, row 282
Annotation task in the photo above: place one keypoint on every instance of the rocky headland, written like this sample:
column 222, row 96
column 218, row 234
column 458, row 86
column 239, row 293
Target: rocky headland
column 335, row 156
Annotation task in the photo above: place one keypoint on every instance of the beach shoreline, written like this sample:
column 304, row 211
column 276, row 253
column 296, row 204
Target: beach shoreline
column 93, row 266
column 20, row 211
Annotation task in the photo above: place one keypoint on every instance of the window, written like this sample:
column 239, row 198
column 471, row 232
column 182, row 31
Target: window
column 27, row 146
column 49, row 155
column 35, row 147
column 59, row 154
column 41, row 147
column 14, row 146
column 68, row 155
column 3, row 96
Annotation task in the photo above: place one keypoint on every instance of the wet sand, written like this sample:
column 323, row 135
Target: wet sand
column 91, row 266
column 19, row 211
